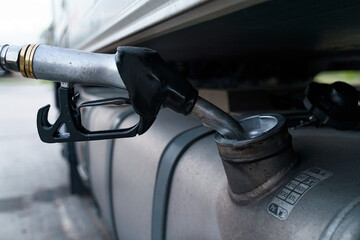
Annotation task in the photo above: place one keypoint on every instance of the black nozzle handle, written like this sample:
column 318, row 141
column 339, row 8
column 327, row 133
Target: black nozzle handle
column 151, row 84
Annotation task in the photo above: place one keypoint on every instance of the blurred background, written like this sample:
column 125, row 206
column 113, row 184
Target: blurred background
column 25, row 21
column 254, row 54
column 35, row 200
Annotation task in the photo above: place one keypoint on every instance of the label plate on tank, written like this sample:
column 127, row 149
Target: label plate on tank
column 286, row 199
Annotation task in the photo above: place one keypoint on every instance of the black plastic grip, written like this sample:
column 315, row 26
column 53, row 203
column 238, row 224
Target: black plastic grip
column 70, row 117
column 151, row 84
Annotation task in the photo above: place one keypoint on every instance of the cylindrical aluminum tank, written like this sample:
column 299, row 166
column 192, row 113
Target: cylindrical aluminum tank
column 170, row 184
column 200, row 206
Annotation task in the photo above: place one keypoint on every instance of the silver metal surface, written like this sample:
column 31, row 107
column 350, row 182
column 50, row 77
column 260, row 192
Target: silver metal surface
column 257, row 126
column 72, row 66
column 102, row 118
column 199, row 203
column 197, row 184
column 134, row 172
column 345, row 225
column 215, row 118
column 132, row 21
column 270, row 138
column 254, row 166
column 3, row 50
column 67, row 65
column 201, row 206
column 12, row 57
column 9, row 57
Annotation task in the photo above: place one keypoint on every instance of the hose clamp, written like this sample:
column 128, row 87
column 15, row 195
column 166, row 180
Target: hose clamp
column 26, row 57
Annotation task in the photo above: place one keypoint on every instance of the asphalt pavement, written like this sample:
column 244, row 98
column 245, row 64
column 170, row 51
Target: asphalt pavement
column 35, row 202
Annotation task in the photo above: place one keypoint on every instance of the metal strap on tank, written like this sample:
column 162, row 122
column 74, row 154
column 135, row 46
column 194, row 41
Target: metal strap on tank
column 166, row 169
column 109, row 162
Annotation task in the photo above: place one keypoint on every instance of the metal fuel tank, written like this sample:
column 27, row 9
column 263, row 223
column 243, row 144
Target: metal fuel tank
column 170, row 183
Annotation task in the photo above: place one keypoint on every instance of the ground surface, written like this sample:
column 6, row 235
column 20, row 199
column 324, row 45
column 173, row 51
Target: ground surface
column 35, row 202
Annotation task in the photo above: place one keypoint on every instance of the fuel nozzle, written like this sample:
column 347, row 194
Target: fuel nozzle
column 149, row 81
column 174, row 89
column 215, row 118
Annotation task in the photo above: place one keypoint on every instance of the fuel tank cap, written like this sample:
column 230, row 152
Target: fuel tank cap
column 335, row 105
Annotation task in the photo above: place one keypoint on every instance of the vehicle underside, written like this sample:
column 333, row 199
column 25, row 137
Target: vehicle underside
column 296, row 177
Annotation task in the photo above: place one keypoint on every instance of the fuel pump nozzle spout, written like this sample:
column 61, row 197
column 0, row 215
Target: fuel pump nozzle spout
column 150, row 82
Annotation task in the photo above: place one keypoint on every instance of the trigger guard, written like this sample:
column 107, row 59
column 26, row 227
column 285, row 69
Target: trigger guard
column 42, row 117
column 46, row 130
column 70, row 117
